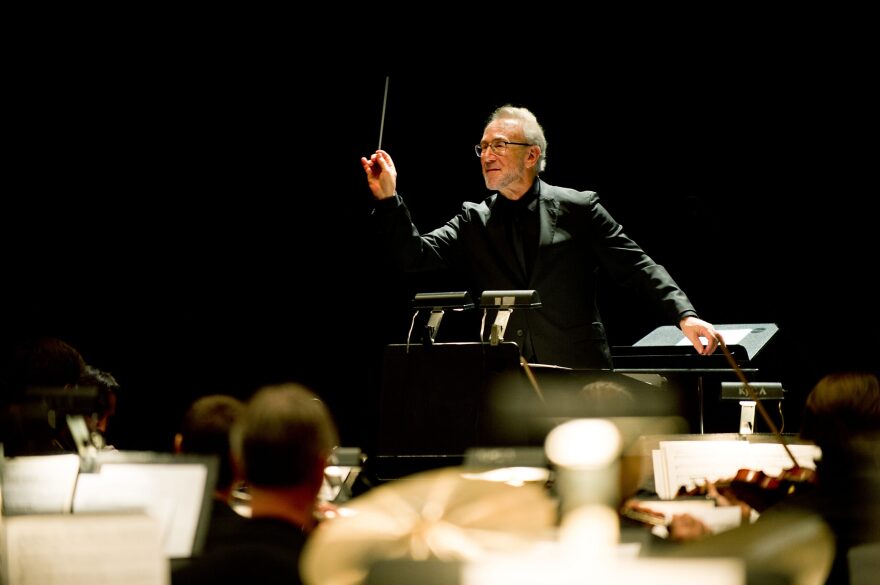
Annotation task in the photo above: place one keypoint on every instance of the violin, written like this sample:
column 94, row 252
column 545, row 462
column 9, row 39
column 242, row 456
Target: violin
column 681, row 527
column 756, row 488
column 760, row 491
column 643, row 515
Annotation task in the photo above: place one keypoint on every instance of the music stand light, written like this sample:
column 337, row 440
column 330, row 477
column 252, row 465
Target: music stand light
column 438, row 302
column 762, row 391
column 505, row 301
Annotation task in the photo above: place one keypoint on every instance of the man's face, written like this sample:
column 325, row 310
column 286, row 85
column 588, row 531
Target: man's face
column 504, row 164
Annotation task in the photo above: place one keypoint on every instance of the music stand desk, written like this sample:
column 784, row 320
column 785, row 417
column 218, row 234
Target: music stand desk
column 667, row 351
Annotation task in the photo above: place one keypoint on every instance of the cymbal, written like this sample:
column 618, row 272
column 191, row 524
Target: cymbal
column 446, row 514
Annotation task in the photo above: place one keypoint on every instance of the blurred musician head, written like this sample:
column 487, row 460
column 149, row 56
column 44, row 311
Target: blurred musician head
column 282, row 443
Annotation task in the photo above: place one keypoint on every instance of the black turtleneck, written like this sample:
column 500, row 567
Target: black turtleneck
column 521, row 222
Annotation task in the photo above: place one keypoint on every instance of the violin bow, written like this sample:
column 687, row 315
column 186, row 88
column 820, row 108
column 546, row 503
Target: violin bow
column 754, row 397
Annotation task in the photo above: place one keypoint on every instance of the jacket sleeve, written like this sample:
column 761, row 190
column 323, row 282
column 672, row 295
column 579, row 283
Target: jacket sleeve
column 630, row 267
column 412, row 251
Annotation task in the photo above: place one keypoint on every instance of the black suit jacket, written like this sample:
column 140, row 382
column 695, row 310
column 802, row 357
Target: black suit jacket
column 577, row 236
column 264, row 551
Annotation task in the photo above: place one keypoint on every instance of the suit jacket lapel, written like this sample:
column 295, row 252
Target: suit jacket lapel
column 548, row 211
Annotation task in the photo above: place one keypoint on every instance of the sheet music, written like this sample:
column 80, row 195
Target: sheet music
column 170, row 493
column 661, row 476
column 85, row 549
column 690, row 463
column 731, row 337
column 772, row 459
column 39, row 484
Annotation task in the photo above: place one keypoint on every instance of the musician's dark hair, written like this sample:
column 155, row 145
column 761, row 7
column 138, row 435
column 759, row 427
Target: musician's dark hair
column 840, row 407
column 206, row 427
column 41, row 362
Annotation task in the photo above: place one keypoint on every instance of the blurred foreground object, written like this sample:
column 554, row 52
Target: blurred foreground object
column 438, row 514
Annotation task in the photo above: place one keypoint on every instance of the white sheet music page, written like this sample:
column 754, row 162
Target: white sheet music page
column 84, row 549
column 731, row 337
column 39, row 484
column 172, row 494
column 691, row 463
column 772, row 459
column 661, row 475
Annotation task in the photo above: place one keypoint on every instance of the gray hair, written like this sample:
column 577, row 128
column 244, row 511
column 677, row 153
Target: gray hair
column 283, row 431
column 532, row 130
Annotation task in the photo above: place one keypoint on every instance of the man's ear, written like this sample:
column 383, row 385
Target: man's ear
column 534, row 154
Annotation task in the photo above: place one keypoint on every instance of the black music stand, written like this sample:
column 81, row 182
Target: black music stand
column 667, row 351
column 433, row 402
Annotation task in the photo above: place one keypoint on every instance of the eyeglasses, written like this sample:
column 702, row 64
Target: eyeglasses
column 499, row 147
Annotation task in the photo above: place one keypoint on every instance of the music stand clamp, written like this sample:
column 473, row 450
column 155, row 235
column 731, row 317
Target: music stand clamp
column 438, row 302
column 505, row 301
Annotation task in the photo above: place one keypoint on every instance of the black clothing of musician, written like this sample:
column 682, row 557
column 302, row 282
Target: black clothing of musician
column 529, row 235
column 266, row 551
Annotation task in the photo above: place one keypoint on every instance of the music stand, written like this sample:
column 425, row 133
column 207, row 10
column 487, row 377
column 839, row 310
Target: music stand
column 433, row 402
column 176, row 489
column 667, row 351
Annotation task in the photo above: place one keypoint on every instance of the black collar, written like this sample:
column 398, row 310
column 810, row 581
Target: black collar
column 522, row 204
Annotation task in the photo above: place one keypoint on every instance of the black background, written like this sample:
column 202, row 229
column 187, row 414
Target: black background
column 195, row 220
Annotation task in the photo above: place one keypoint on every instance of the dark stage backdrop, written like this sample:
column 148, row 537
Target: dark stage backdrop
column 199, row 224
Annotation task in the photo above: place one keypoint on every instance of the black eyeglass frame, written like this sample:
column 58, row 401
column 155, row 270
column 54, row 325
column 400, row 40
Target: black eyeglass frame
column 496, row 144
